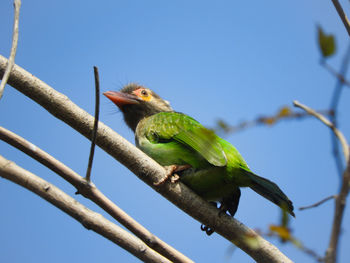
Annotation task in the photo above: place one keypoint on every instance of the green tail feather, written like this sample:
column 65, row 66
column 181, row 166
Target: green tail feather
column 271, row 191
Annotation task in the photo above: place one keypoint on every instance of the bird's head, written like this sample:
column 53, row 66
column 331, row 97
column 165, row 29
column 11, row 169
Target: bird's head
column 137, row 102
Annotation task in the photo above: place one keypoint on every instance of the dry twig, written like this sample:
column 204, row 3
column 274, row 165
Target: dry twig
column 339, row 76
column 284, row 113
column 89, row 219
column 341, row 81
column 323, row 119
column 318, row 203
column 342, row 15
column 297, row 243
column 89, row 191
column 340, row 200
column 94, row 131
column 11, row 61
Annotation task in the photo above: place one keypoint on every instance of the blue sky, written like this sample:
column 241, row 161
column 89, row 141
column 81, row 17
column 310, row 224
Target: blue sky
column 232, row 60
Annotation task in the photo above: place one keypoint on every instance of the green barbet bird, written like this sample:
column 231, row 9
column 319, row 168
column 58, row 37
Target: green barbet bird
column 209, row 165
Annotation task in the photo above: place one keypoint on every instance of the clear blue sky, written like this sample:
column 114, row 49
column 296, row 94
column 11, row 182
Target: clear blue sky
column 232, row 60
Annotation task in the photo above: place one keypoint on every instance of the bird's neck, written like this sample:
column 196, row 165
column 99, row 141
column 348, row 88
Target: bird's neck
column 133, row 121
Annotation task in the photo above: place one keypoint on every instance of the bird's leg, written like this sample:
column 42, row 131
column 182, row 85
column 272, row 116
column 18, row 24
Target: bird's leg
column 171, row 170
column 230, row 204
column 232, row 209
column 222, row 208
column 209, row 230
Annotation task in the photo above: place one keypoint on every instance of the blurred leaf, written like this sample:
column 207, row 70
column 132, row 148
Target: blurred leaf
column 284, row 112
column 267, row 120
column 326, row 43
column 282, row 232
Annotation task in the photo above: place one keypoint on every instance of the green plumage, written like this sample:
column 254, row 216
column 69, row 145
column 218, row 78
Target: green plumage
column 217, row 170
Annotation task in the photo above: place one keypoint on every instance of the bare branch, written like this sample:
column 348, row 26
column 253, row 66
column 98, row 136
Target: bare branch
column 89, row 219
column 11, row 61
column 339, row 76
column 311, row 253
column 318, row 203
column 143, row 166
column 340, row 202
column 334, row 107
column 94, row 132
column 339, row 135
column 91, row 192
column 342, row 15
column 297, row 243
column 285, row 113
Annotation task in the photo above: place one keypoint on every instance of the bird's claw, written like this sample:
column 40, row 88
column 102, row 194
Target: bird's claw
column 208, row 230
column 222, row 210
column 171, row 170
column 174, row 178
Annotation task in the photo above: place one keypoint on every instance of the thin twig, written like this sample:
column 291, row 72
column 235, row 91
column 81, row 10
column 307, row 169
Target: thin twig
column 91, row 192
column 94, row 131
column 341, row 81
column 88, row 218
column 263, row 120
column 340, row 200
column 312, row 253
column 340, row 203
column 11, row 61
column 299, row 245
column 143, row 166
column 318, row 203
column 328, row 123
column 342, row 15
column 339, row 76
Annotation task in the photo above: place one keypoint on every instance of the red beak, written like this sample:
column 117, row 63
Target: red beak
column 120, row 99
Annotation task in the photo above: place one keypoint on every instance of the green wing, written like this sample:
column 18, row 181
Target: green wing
column 169, row 126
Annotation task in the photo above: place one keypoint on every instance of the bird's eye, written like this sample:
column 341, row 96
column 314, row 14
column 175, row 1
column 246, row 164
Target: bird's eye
column 144, row 93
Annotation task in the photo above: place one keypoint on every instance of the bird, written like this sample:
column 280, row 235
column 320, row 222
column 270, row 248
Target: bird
column 209, row 165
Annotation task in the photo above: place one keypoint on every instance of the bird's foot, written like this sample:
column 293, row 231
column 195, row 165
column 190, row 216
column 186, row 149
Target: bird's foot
column 208, row 230
column 171, row 170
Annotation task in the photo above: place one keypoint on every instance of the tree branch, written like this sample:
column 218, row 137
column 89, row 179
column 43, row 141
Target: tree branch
column 143, row 166
column 334, row 106
column 11, row 61
column 318, row 203
column 340, row 200
column 323, row 119
column 342, row 15
column 94, row 132
column 339, row 76
column 89, row 219
column 89, row 191
column 284, row 113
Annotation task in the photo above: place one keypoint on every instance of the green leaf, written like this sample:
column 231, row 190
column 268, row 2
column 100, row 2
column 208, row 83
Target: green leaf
column 326, row 43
